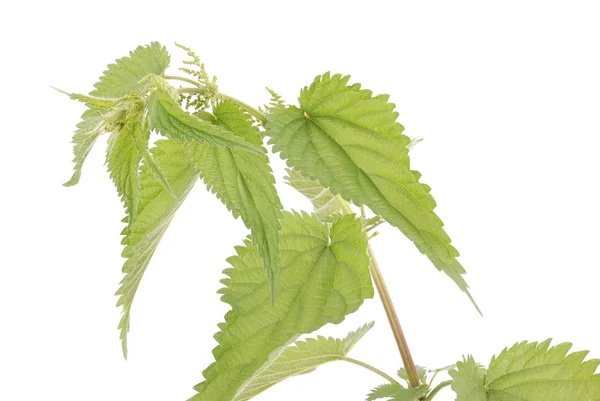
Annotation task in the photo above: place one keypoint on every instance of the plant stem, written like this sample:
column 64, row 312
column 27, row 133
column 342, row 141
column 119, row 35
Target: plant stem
column 371, row 368
column 388, row 306
column 437, row 389
column 184, row 79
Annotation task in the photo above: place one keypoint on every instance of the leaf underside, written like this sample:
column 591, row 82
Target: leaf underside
column 324, row 276
column 300, row 358
column 532, row 372
column 324, row 202
column 243, row 181
column 349, row 141
column 156, row 208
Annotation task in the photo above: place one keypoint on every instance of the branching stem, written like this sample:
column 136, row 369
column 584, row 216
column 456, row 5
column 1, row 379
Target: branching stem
column 437, row 389
column 388, row 306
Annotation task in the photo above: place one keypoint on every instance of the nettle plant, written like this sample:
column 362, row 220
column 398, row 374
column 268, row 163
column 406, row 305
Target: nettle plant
column 297, row 271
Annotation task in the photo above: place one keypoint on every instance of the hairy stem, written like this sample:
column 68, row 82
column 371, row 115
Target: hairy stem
column 388, row 306
column 437, row 389
column 371, row 368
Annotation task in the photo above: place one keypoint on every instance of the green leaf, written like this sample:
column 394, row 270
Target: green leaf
column 468, row 380
column 243, row 182
column 324, row 276
column 530, row 372
column 88, row 130
column 349, row 141
column 169, row 119
column 156, row 208
column 123, row 77
column 324, row 202
column 396, row 392
column 301, row 358
column 123, row 161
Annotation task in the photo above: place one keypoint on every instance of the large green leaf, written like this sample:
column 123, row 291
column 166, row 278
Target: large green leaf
column 533, row 372
column 166, row 116
column 301, row 358
column 243, row 181
column 156, row 208
column 123, row 77
column 350, row 142
column 324, row 276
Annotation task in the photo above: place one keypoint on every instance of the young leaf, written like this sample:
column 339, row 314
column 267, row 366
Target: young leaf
column 155, row 211
column 123, row 77
column 324, row 276
column 532, row 372
column 468, row 380
column 350, row 142
column 421, row 372
column 324, row 202
column 243, row 181
column 301, row 358
column 387, row 391
column 169, row 119
column 397, row 392
column 88, row 130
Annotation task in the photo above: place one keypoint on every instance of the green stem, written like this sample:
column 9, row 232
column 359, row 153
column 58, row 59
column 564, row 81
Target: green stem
column 184, row 79
column 371, row 368
column 388, row 306
column 437, row 389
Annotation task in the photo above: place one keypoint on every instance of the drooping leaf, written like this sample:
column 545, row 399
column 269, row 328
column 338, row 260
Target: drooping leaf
column 397, row 392
column 243, row 181
column 468, row 380
column 300, row 358
column 123, row 77
column 349, row 141
column 532, row 372
column 166, row 116
column 324, row 276
column 88, row 130
column 324, row 202
column 156, row 208
column 123, row 162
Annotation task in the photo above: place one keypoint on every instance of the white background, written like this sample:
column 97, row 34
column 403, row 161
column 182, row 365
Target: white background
column 505, row 94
